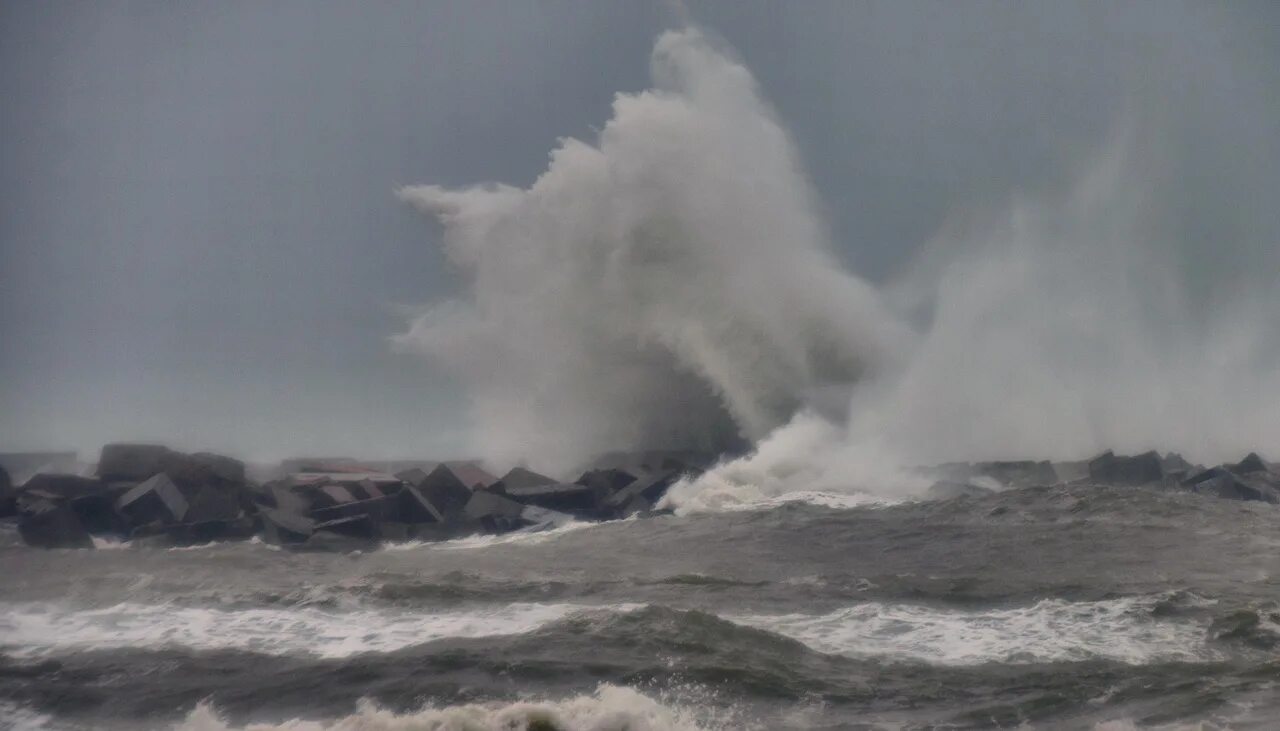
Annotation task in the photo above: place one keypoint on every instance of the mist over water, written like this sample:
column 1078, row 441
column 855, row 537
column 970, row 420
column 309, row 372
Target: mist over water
column 673, row 285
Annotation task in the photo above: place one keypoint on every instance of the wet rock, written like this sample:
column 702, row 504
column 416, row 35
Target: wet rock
column 520, row 478
column 493, row 511
column 536, row 518
column 1174, row 466
column 1251, row 463
column 650, row 488
column 8, row 496
column 218, row 468
column 607, row 481
column 395, row 531
column 564, row 497
column 67, row 487
column 194, row 534
column 281, row 496
column 1019, row 473
column 944, row 490
column 136, row 462
column 50, row 525
column 97, row 513
column 356, row 527
column 282, row 528
column 157, row 499
column 376, row 510
column 412, row 476
column 1142, row 469
column 332, row 495
column 445, row 490
column 1071, row 471
column 414, row 507
column 1223, row 483
column 212, row 504
column 368, row 489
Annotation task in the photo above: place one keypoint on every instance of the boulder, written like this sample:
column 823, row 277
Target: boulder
column 97, row 513
column 537, row 518
column 1251, row 463
column 493, row 511
column 377, row 510
column 90, row 499
column 155, row 500
column 8, row 497
column 1222, row 482
column 49, row 525
column 355, row 527
column 138, row 462
column 283, row 528
column 134, row 462
column 219, row 468
column 67, row 487
column 330, row 495
column 1142, row 469
column 213, row 505
column 414, row 507
column 281, row 496
column 396, row 531
column 194, row 534
column 1174, row 465
column 944, row 490
column 446, row 491
column 368, row 489
column 650, row 488
column 608, row 481
column 1073, row 471
column 412, row 476
column 520, row 478
column 564, row 497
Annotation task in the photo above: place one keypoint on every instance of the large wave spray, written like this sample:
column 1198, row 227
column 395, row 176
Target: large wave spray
column 668, row 286
column 671, row 285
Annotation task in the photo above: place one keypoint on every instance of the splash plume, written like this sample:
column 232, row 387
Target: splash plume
column 672, row 285
column 667, row 285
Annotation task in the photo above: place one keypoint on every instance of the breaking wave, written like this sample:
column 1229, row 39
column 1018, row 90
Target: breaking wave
column 49, row 629
column 610, row 708
column 669, row 286
column 672, row 284
column 1122, row 630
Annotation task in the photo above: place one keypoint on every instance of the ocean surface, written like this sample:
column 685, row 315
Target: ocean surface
column 1043, row 608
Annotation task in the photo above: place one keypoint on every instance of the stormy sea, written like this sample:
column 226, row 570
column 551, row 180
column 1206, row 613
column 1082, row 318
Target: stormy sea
column 1063, row 607
column 670, row 285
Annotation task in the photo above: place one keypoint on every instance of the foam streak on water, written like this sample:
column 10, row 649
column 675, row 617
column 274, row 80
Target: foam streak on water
column 43, row 629
column 1048, row 631
column 610, row 708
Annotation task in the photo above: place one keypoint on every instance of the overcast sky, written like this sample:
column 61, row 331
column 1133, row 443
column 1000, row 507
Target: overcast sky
column 199, row 242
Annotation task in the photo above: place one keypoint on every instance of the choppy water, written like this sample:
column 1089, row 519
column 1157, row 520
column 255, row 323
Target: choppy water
column 1050, row 608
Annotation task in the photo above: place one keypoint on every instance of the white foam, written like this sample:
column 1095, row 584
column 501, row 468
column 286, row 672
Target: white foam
column 17, row 718
column 610, row 708
column 39, row 629
column 1048, row 631
column 523, row 537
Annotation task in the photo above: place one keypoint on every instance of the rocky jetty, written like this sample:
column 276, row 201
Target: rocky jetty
column 154, row 495
column 1252, row 478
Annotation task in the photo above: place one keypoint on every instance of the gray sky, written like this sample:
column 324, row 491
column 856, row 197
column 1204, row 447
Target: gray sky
column 199, row 242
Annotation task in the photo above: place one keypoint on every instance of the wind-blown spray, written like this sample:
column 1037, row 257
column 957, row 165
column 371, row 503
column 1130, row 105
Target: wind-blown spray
column 667, row 286
column 671, row 285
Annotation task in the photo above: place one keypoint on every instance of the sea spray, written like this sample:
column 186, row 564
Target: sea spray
column 671, row 284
